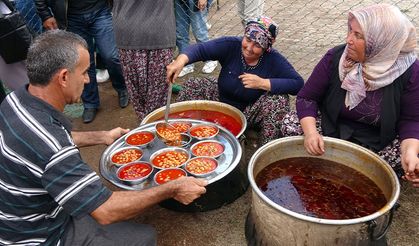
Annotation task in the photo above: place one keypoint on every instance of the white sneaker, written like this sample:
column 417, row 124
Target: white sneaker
column 102, row 75
column 186, row 70
column 209, row 66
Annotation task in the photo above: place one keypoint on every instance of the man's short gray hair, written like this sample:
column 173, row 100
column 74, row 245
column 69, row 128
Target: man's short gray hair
column 51, row 51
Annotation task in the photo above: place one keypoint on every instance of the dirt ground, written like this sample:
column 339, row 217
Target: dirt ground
column 223, row 226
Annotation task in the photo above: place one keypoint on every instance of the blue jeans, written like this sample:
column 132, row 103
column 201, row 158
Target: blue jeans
column 185, row 18
column 97, row 26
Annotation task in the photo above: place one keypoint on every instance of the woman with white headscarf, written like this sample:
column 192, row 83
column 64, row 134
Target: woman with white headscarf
column 367, row 91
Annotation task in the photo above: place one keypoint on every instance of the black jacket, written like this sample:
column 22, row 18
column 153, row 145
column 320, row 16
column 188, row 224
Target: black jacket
column 59, row 10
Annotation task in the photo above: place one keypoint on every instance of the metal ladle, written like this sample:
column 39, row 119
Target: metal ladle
column 166, row 124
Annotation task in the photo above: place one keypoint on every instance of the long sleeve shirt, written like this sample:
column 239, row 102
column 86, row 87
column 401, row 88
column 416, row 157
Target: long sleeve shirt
column 227, row 50
column 368, row 111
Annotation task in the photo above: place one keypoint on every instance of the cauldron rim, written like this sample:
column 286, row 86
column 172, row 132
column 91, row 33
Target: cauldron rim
column 390, row 203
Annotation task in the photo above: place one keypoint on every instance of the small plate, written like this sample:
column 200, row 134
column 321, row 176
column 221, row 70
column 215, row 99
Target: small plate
column 134, row 173
column 201, row 166
column 208, row 148
column 126, row 155
column 204, row 131
column 169, row 174
column 140, row 138
column 170, row 157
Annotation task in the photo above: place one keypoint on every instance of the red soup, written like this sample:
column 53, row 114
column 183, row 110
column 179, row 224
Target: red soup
column 167, row 175
column 201, row 165
column 219, row 118
column 210, row 149
column 203, row 131
column 126, row 156
column 170, row 159
column 140, row 138
column 182, row 127
column 135, row 171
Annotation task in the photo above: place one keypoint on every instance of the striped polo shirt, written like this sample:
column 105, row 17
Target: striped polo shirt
column 43, row 180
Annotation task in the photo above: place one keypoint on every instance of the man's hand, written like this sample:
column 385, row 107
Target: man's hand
column 114, row 134
column 50, row 24
column 253, row 81
column 188, row 189
column 202, row 4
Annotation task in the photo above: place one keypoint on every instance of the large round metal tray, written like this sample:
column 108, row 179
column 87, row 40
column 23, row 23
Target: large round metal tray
column 227, row 161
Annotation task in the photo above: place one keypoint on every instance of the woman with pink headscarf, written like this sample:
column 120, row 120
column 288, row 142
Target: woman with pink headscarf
column 367, row 91
column 254, row 77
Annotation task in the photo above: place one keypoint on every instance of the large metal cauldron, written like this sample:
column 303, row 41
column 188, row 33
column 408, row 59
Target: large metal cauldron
column 270, row 224
column 199, row 105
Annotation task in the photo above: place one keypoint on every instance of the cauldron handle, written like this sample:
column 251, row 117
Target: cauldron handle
column 373, row 224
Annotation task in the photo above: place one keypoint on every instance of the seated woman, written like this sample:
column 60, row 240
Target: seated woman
column 367, row 91
column 254, row 77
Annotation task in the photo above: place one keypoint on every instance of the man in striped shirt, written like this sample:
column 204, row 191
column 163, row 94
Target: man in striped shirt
column 48, row 195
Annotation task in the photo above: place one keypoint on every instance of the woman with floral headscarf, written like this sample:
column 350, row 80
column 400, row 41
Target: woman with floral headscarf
column 367, row 91
column 254, row 77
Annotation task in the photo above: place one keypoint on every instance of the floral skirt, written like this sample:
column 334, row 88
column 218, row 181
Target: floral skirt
column 265, row 115
column 391, row 153
column 145, row 76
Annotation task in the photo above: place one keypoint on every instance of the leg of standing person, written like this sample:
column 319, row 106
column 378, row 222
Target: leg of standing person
column 86, row 231
column 80, row 24
column 249, row 9
column 182, row 16
column 145, row 76
column 200, row 32
column 266, row 115
column 102, row 74
column 104, row 36
column 2, row 92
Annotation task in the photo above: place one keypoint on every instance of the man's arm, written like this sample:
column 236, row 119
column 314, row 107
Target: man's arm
column 43, row 9
column 124, row 205
column 83, row 139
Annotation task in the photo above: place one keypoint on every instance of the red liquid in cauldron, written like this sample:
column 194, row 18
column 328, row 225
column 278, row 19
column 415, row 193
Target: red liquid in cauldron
column 211, row 116
column 320, row 188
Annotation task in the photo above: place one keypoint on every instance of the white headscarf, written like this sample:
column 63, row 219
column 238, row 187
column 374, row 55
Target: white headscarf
column 390, row 50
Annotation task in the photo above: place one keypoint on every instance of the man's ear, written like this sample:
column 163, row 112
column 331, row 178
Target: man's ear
column 62, row 75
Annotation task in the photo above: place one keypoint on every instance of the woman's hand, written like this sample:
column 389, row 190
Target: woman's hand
column 174, row 68
column 252, row 81
column 410, row 160
column 313, row 141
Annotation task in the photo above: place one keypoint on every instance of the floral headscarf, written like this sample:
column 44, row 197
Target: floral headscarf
column 263, row 30
column 390, row 43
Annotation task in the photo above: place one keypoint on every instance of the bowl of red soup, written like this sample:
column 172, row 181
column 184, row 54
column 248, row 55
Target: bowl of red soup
column 134, row 173
column 126, row 155
column 201, row 166
column 182, row 127
column 203, row 131
column 170, row 157
column 166, row 175
column 208, row 148
column 140, row 138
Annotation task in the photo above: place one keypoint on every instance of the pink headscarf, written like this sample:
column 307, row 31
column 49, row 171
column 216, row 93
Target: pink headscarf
column 390, row 50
